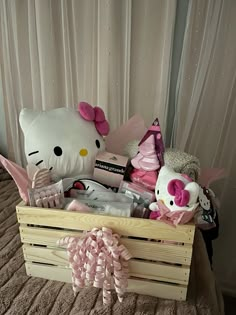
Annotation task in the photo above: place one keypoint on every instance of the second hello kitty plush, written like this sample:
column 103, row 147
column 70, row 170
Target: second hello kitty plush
column 176, row 196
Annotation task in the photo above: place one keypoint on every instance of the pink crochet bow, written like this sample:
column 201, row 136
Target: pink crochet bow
column 95, row 114
column 97, row 259
column 176, row 188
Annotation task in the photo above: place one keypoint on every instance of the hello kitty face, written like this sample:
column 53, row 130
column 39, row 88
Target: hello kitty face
column 176, row 191
column 203, row 200
column 61, row 140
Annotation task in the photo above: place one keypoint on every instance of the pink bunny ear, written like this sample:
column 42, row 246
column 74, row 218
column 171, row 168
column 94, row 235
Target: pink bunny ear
column 86, row 111
column 19, row 175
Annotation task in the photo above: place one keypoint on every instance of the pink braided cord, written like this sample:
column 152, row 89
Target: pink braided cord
column 97, row 259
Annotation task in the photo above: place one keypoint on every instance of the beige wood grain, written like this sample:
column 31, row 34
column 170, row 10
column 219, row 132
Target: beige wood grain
column 123, row 226
column 137, row 268
column 139, row 286
column 138, row 248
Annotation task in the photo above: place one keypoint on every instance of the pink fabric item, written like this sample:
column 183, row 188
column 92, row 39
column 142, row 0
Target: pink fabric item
column 155, row 131
column 97, row 259
column 172, row 217
column 75, row 205
column 146, row 159
column 176, row 188
column 144, row 178
column 19, row 176
column 154, row 215
column 96, row 115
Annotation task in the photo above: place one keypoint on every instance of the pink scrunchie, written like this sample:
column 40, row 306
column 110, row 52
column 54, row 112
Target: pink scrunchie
column 95, row 114
column 97, row 259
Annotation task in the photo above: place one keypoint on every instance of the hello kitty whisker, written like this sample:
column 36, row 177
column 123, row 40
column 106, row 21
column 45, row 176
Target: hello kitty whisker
column 39, row 162
column 33, row 153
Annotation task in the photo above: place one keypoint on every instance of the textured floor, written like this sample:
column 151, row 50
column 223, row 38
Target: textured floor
column 20, row 294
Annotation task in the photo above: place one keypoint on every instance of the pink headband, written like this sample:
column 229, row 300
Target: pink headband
column 176, row 188
column 95, row 114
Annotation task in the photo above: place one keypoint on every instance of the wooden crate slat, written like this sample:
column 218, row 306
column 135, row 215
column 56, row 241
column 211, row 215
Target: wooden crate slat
column 153, row 288
column 138, row 248
column 137, row 268
column 159, row 271
column 158, row 289
column 123, row 226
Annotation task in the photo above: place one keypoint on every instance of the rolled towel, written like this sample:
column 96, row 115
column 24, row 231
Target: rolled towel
column 183, row 162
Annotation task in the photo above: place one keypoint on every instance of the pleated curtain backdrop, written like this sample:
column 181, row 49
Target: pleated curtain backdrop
column 206, row 113
column 115, row 54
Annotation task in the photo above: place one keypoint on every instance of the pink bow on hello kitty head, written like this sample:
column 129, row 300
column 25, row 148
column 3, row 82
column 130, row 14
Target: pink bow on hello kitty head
column 95, row 114
column 176, row 188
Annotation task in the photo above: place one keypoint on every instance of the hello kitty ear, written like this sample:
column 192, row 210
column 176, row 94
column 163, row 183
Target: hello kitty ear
column 193, row 189
column 27, row 116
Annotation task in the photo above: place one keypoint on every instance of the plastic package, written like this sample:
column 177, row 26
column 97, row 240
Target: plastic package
column 114, row 208
column 141, row 196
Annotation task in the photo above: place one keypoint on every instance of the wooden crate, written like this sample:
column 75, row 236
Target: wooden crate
column 159, row 267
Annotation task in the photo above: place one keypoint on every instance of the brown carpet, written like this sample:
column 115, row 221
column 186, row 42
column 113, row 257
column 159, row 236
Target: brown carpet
column 20, row 294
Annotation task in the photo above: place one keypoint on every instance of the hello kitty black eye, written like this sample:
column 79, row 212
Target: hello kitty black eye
column 158, row 191
column 58, row 151
column 171, row 203
column 97, row 144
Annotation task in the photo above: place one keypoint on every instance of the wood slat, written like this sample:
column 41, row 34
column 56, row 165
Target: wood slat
column 137, row 268
column 123, row 226
column 138, row 248
column 153, row 288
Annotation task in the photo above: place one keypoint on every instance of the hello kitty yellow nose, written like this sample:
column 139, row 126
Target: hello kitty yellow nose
column 83, row 152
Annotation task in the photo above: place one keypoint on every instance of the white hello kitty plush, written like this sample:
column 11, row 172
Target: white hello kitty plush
column 64, row 140
column 176, row 196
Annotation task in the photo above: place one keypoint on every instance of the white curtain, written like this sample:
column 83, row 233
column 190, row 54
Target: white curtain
column 206, row 112
column 115, row 54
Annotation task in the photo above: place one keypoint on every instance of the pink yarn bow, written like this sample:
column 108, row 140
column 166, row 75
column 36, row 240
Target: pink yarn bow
column 176, row 188
column 97, row 259
column 95, row 114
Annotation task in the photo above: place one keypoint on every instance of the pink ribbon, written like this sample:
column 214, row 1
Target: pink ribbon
column 97, row 259
column 95, row 114
column 176, row 188
column 171, row 217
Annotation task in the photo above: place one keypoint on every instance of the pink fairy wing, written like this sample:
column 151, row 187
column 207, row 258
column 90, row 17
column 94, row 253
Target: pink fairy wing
column 210, row 175
column 133, row 129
